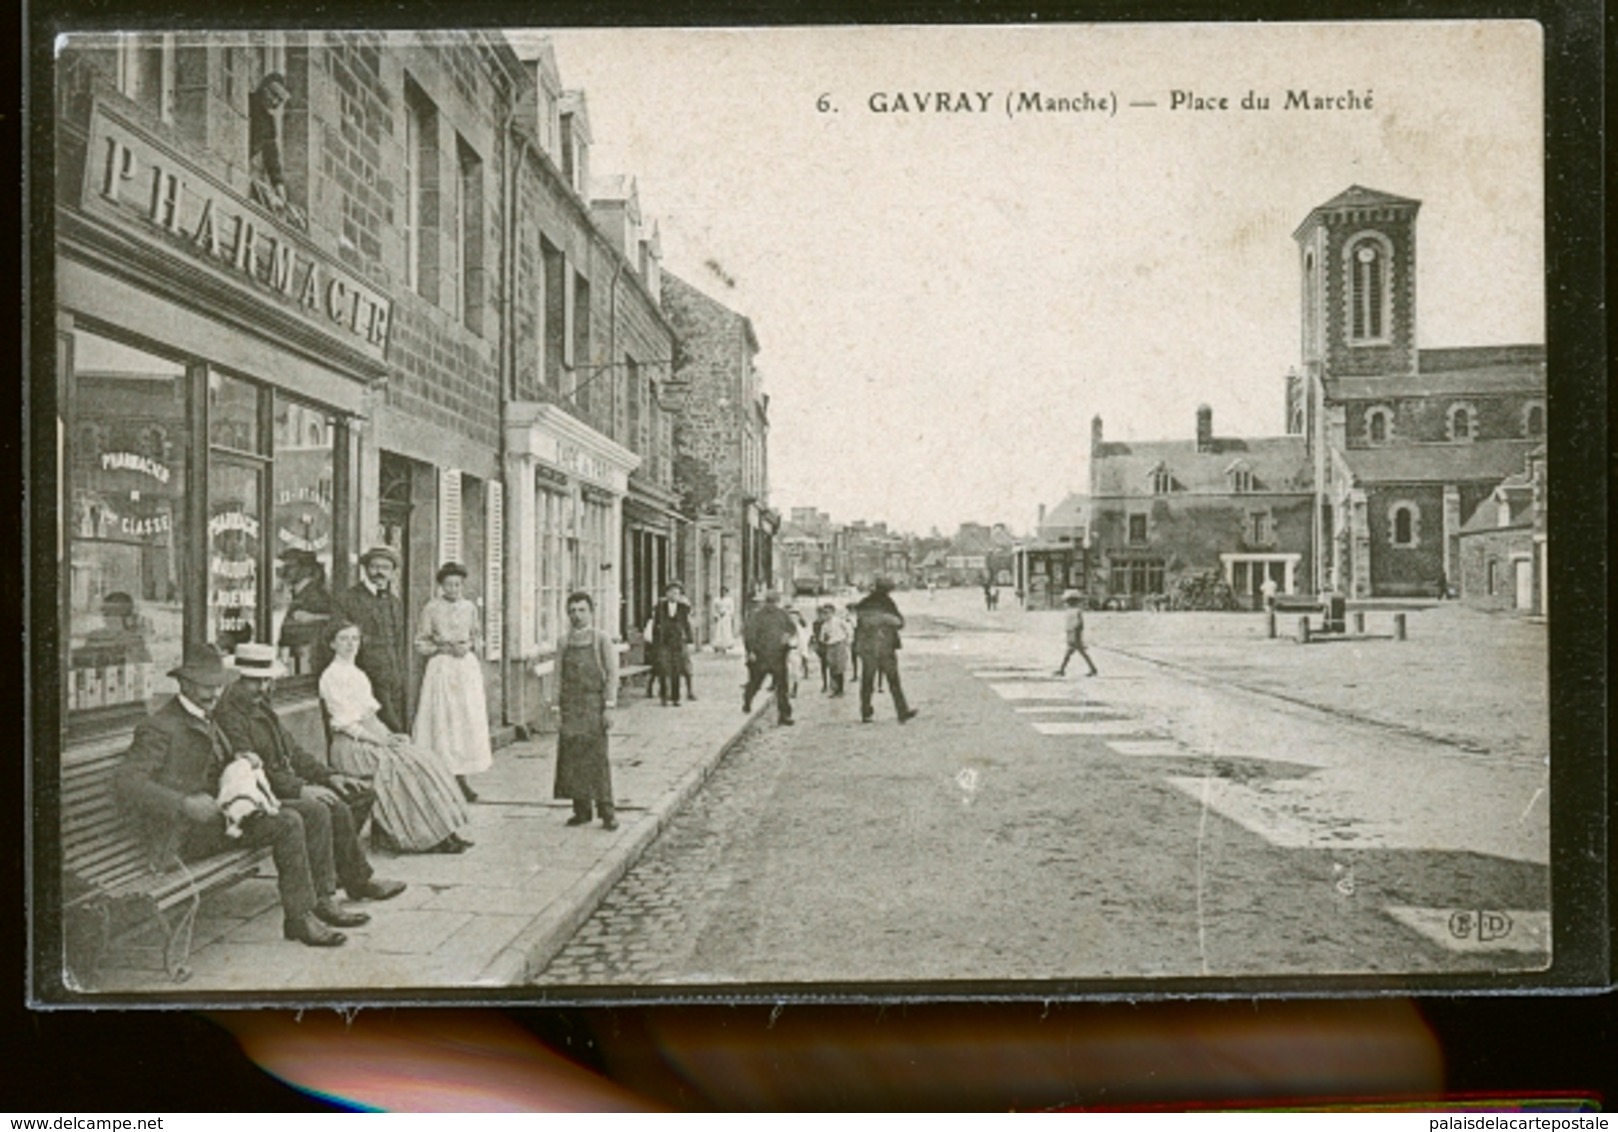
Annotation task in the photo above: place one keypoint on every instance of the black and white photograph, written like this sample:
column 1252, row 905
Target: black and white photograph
column 589, row 514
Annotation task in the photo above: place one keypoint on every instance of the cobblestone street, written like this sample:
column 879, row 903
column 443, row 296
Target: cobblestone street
column 1147, row 823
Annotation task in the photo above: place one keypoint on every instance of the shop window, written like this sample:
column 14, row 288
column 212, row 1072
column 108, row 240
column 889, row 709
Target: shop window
column 233, row 414
column 303, row 513
column 127, row 528
column 235, row 550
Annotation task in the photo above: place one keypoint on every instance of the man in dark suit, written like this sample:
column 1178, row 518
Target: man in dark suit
column 384, row 653
column 170, row 780
column 670, row 642
column 247, row 717
column 769, row 636
column 876, row 642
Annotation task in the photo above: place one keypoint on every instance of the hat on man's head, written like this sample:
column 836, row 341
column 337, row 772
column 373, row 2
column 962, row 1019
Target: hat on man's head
column 381, row 552
column 772, row 596
column 204, row 667
column 118, row 603
column 1071, row 596
column 882, row 584
column 299, row 556
column 674, row 585
column 257, row 661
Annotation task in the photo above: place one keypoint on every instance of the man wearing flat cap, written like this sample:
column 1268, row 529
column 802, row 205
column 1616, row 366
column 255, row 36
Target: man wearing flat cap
column 384, row 654
column 169, row 780
column 246, row 714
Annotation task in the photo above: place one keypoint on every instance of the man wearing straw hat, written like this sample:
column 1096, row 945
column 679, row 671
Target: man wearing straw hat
column 246, row 714
column 384, row 654
column 170, row 780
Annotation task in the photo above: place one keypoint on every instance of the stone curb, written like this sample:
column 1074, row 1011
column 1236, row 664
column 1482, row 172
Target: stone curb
column 538, row 943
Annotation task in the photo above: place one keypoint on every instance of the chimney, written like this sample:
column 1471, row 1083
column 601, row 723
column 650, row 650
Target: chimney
column 1040, row 525
column 1204, row 428
column 1095, row 433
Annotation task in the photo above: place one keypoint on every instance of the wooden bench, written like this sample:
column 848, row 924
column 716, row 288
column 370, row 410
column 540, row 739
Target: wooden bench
column 111, row 891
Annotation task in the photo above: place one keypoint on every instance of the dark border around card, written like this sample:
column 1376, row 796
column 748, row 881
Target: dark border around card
column 1576, row 345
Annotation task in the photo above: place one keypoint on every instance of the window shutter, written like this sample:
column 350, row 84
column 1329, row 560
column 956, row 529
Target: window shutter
column 449, row 515
column 494, row 587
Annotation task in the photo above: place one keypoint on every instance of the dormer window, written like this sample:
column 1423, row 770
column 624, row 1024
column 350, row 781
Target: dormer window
column 1378, row 425
column 1463, row 423
column 1162, row 481
column 1368, row 288
column 1240, row 476
column 1533, row 419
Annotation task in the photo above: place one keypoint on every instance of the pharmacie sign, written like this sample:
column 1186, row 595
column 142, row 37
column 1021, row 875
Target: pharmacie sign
column 140, row 181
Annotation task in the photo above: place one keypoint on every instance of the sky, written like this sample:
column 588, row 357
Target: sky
column 944, row 300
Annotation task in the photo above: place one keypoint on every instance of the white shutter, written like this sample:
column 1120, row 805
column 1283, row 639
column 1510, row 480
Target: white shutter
column 494, row 585
column 449, row 515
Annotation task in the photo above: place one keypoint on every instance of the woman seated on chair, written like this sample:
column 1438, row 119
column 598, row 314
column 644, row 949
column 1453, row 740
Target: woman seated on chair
column 419, row 809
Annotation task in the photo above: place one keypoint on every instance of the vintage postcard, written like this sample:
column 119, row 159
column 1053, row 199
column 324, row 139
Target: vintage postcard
column 564, row 515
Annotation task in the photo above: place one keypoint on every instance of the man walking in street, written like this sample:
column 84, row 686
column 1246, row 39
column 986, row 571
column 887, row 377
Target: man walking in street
column 384, row 654
column 876, row 641
column 1075, row 632
column 769, row 637
column 170, row 781
column 246, row 714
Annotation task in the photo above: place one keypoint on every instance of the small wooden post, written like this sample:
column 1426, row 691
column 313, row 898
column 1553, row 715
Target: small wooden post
column 1269, row 615
column 1303, row 630
column 1359, row 622
column 1398, row 626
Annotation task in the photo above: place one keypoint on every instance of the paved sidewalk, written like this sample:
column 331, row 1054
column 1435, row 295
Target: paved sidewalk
column 491, row 917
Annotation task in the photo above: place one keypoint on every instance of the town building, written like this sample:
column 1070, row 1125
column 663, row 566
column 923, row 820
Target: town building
column 1405, row 441
column 808, row 540
column 279, row 336
column 1055, row 560
column 1165, row 509
column 1502, row 545
column 721, row 450
column 321, row 291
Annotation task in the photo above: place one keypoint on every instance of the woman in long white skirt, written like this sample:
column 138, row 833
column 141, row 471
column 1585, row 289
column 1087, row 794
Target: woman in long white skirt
column 724, row 621
column 452, row 716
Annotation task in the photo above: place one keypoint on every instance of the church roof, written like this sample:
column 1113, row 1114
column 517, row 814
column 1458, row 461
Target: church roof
column 1488, row 460
column 1484, row 379
column 1277, row 464
column 1356, row 196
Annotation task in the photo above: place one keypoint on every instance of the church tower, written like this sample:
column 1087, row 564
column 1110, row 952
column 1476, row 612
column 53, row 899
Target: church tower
column 1357, row 254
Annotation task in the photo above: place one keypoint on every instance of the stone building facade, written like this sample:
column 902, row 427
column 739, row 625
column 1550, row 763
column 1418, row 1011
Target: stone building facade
column 721, row 445
column 319, row 291
column 1162, row 509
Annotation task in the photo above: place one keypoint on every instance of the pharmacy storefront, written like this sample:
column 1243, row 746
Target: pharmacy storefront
column 213, row 368
column 566, row 487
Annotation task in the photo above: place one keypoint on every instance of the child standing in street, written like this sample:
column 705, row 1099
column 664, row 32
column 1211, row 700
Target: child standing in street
column 1075, row 632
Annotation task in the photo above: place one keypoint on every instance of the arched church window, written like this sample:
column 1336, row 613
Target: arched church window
column 1405, row 522
column 1378, row 425
column 1463, row 422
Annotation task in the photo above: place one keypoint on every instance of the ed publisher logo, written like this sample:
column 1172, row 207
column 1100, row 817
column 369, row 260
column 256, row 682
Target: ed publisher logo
column 1480, row 925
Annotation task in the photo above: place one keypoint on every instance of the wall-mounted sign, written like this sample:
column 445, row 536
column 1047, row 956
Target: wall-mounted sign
column 144, row 183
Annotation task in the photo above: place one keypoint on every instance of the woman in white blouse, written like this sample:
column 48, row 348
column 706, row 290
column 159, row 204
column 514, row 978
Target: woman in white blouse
column 452, row 716
column 418, row 808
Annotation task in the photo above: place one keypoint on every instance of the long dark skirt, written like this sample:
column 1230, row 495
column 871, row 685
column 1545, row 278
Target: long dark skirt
column 582, row 770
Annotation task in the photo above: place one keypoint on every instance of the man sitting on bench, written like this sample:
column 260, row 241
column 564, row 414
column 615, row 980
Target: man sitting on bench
column 170, row 780
column 246, row 714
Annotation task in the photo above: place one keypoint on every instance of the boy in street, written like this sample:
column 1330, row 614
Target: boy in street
column 1075, row 632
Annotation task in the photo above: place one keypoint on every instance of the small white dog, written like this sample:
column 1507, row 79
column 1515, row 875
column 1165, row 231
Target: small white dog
column 244, row 791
